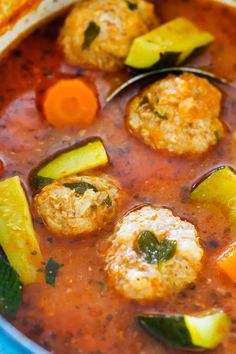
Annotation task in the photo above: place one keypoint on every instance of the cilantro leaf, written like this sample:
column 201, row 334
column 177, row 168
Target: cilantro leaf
column 51, row 271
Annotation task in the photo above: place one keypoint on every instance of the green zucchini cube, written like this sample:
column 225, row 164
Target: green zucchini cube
column 167, row 45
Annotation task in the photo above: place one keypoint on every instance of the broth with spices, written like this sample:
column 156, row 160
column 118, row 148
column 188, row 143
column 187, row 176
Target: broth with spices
column 83, row 313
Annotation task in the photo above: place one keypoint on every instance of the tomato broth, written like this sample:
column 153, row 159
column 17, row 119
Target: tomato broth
column 83, row 313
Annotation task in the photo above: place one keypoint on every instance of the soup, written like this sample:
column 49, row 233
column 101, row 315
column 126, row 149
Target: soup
column 83, row 312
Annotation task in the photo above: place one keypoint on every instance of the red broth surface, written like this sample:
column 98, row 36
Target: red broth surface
column 83, row 314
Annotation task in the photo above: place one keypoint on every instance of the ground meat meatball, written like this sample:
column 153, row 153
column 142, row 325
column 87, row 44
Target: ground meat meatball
column 138, row 276
column 98, row 33
column 177, row 114
column 77, row 205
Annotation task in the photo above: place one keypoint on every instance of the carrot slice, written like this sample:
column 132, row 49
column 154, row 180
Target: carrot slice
column 227, row 262
column 70, row 102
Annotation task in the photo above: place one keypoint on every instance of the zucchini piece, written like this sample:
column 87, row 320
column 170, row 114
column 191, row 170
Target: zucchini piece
column 17, row 235
column 167, row 45
column 219, row 186
column 206, row 331
column 10, row 290
column 86, row 156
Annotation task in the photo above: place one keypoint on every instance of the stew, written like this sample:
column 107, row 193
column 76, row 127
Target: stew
column 87, row 297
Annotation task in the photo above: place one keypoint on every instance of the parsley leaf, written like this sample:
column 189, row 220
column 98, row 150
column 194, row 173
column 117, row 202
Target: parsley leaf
column 132, row 5
column 146, row 104
column 108, row 201
column 80, row 187
column 154, row 251
column 90, row 34
column 51, row 271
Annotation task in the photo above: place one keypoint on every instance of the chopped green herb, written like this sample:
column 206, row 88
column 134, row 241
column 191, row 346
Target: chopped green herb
column 145, row 101
column 132, row 5
column 39, row 182
column 146, row 104
column 154, row 251
column 51, row 271
column 217, row 136
column 101, row 285
column 81, row 187
column 108, row 201
column 167, row 249
column 90, row 34
column 160, row 115
column 10, row 290
column 148, row 246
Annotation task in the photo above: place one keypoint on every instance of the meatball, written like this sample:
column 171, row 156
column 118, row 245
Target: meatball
column 77, row 205
column 177, row 114
column 139, row 275
column 98, row 33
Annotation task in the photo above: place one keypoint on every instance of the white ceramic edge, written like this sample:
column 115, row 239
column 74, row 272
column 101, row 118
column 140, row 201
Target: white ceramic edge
column 12, row 335
column 45, row 11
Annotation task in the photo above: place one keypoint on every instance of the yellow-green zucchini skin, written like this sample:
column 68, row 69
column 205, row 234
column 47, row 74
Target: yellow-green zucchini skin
column 218, row 187
column 205, row 331
column 79, row 158
column 167, row 45
column 17, row 235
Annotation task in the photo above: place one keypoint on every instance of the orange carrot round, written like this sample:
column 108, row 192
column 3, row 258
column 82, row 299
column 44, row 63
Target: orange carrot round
column 70, row 102
column 227, row 262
